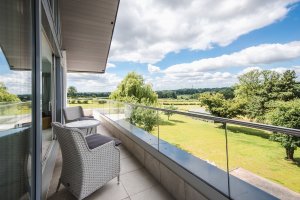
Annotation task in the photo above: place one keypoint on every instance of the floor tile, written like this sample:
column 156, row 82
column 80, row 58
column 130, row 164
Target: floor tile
column 62, row 194
column 129, row 164
column 156, row 192
column 111, row 191
column 137, row 181
column 124, row 153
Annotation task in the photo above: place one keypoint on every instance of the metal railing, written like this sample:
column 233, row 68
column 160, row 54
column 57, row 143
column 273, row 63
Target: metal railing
column 229, row 156
column 272, row 128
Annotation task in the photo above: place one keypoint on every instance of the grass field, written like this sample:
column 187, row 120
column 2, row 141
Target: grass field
column 248, row 148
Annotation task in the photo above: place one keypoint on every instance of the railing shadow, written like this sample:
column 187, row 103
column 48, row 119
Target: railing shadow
column 248, row 131
column 170, row 122
column 296, row 162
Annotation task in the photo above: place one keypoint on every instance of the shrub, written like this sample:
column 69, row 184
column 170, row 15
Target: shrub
column 101, row 101
column 143, row 118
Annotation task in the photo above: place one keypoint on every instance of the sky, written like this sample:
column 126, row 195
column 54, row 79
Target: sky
column 177, row 44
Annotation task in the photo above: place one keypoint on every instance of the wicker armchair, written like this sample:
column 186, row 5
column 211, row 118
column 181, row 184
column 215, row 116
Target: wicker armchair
column 85, row 170
column 74, row 114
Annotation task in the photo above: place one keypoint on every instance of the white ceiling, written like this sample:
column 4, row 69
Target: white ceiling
column 87, row 28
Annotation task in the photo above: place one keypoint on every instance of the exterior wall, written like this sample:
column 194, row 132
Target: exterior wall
column 177, row 186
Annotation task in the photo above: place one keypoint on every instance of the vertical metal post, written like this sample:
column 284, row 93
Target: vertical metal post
column 109, row 102
column 117, row 103
column 36, row 110
column 227, row 159
column 157, row 121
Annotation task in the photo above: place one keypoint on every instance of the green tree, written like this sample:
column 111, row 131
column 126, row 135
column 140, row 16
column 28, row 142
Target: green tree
column 259, row 88
column 286, row 114
column 217, row 105
column 72, row 91
column 170, row 108
column 5, row 96
column 133, row 89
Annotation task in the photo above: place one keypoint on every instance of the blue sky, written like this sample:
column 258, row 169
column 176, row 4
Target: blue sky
column 282, row 31
column 237, row 37
column 182, row 44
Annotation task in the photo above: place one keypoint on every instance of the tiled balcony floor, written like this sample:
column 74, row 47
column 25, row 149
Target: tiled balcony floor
column 136, row 183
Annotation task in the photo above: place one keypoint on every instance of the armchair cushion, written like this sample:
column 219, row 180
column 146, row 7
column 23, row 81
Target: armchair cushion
column 97, row 140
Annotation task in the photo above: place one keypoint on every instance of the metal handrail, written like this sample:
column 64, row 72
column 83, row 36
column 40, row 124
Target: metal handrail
column 272, row 128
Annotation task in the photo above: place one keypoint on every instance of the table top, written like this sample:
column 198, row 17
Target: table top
column 83, row 124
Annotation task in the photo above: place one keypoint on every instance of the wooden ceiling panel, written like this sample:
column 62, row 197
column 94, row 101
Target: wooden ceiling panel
column 87, row 28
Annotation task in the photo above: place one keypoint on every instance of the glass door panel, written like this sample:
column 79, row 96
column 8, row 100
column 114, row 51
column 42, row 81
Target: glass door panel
column 47, row 77
column 16, row 56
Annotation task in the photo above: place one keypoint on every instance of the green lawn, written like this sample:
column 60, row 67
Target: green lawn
column 248, row 148
column 187, row 107
column 15, row 109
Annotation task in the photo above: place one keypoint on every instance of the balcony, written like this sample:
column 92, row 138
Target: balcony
column 161, row 166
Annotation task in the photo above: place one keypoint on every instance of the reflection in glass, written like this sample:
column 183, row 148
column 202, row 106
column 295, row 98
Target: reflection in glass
column 46, row 95
column 15, row 98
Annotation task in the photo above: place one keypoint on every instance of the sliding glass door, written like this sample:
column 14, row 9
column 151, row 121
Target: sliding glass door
column 16, row 64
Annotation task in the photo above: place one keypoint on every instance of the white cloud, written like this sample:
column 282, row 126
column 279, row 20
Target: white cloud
column 207, row 79
column 85, row 82
column 196, row 80
column 148, row 30
column 283, row 69
column 17, row 82
column 261, row 54
column 153, row 69
column 110, row 65
column 276, row 69
column 248, row 69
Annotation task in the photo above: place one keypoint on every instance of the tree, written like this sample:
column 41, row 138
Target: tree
column 217, row 105
column 5, row 96
column 169, row 113
column 72, row 91
column 227, row 92
column 259, row 88
column 134, row 90
column 286, row 114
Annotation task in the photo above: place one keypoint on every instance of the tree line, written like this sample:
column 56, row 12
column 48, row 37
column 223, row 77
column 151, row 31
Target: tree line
column 162, row 94
column 193, row 93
